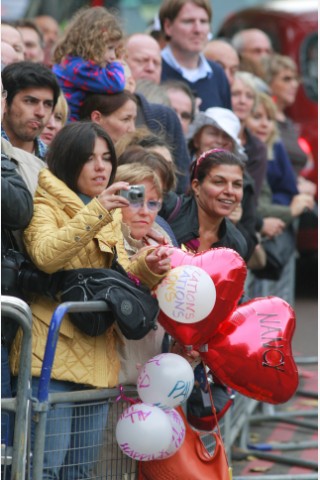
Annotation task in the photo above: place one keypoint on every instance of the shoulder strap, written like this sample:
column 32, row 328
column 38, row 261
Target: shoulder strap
column 175, row 211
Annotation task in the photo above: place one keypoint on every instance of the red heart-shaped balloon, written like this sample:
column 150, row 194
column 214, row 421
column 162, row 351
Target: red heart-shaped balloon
column 251, row 352
column 228, row 271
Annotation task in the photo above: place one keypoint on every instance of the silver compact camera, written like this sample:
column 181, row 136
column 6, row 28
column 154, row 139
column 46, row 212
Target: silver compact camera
column 135, row 194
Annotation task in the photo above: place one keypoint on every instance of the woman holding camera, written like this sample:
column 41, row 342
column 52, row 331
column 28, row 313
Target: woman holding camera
column 77, row 224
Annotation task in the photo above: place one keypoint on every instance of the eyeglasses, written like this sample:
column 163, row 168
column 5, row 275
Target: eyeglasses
column 4, row 94
column 152, row 205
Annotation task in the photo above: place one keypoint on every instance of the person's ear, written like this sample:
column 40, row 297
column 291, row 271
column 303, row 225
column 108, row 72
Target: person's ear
column 96, row 116
column 195, row 186
column 167, row 27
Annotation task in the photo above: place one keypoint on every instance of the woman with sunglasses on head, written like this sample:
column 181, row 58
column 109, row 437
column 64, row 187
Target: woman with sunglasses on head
column 200, row 220
column 220, row 128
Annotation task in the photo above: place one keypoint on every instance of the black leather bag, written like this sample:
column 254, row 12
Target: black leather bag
column 278, row 250
column 131, row 305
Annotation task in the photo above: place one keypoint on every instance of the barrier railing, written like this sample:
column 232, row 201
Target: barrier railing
column 111, row 463
column 18, row 311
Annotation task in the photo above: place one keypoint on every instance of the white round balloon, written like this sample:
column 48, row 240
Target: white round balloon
column 187, row 294
column 143, row 432
column 178, row 433
column 166, row 380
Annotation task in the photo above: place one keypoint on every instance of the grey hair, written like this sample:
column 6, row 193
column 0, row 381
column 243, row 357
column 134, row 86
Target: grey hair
column 154, row 93
column 249, row 80
column 237, row 41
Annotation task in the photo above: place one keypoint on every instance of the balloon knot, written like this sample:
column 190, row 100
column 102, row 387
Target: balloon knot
column 122, row 396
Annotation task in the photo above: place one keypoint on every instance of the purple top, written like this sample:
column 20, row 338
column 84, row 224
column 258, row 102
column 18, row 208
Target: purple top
column 77, row 77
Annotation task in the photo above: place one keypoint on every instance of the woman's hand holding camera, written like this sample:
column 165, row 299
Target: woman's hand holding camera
column 109, row 198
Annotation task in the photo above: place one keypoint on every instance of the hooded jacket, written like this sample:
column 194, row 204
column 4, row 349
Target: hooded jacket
column 65, row 234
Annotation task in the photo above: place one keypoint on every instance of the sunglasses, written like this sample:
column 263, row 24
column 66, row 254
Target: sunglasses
column 196, row 163
column 152, row 205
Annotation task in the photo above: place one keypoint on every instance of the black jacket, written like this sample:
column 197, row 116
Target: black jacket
column 185, row 224
column 16, row 203
column 16, row 213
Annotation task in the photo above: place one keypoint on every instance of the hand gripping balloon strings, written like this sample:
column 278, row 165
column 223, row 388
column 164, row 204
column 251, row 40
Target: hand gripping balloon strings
column 123, row 396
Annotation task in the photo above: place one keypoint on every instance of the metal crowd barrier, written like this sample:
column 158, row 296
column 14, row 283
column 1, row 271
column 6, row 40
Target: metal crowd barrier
column 304, row 418
column 111, row 463
column 235, row 428
column 15, row 458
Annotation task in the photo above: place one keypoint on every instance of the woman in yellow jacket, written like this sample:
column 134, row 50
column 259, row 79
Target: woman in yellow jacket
column 77, row 224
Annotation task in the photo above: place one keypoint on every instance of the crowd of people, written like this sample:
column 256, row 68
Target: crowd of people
column 201, row 124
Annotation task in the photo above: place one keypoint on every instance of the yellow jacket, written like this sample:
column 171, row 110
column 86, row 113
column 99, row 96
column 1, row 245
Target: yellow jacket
column 65, row 234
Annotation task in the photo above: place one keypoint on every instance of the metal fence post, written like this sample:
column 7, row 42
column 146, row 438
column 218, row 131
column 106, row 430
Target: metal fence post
column 19, row 311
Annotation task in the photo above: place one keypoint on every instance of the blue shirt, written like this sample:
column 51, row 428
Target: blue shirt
column 213, row 88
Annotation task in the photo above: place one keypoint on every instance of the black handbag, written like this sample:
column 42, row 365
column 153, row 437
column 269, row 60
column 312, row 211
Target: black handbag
column 199, row 407
column 278, row 250
column 131, row 304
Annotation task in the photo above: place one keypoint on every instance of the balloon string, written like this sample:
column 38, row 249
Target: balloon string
column 123, row 396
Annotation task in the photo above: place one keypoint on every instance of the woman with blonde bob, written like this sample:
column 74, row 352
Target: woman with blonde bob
column 243, row 99
column 281, row 74
column 140, row 230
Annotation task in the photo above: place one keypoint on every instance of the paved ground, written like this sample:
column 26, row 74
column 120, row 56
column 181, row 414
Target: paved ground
column 305, row 345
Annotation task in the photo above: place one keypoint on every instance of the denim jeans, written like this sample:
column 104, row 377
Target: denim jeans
column 7, row 418
column 73, row 435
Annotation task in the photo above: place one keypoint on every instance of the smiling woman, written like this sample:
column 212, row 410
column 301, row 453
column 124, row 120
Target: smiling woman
column 200, row 220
